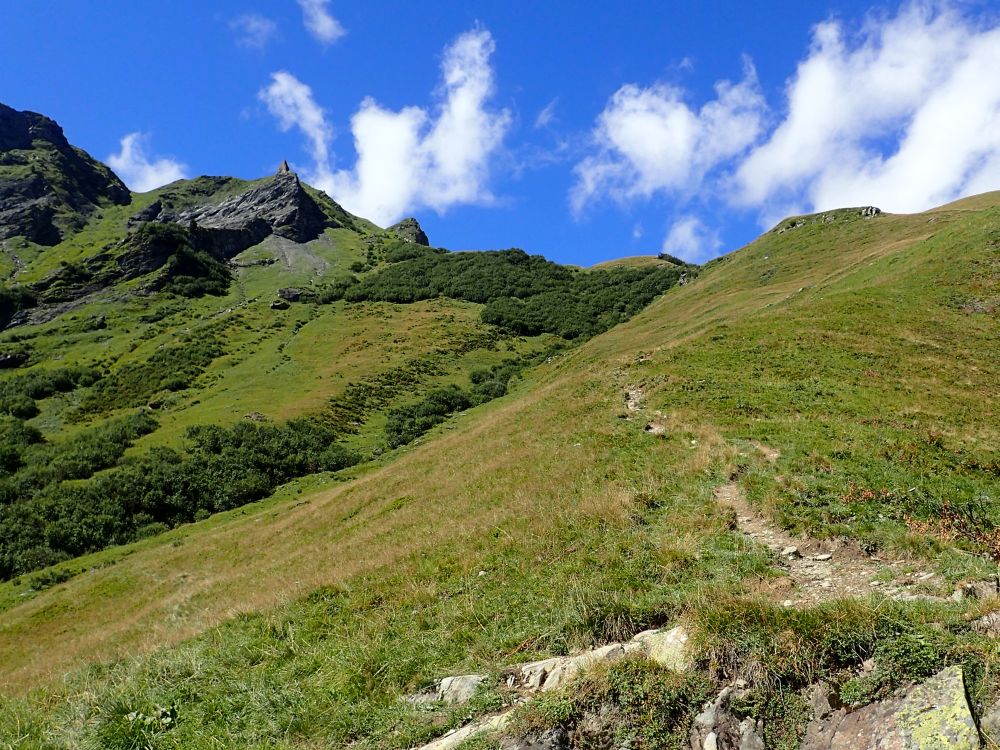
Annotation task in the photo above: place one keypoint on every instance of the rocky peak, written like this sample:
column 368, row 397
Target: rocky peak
column 19, row 130
column 48, row 187
column 278, row 205
column 410, row 230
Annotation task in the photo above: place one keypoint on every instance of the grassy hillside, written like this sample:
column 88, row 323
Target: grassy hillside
column 841, row 373
column 192, row 351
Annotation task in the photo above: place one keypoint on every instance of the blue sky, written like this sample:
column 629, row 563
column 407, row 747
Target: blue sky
column 582, row 131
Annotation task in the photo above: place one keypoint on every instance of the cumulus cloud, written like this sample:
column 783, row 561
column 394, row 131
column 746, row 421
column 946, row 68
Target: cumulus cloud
column 904, row 114
column 292, row 104
column 901, row 110
column 689, row 239
column 409, row 158
column 137, row 171
column 649, row 140
column 319, row 22
column 253, row 30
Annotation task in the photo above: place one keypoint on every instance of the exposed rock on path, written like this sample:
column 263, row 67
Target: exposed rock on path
column 821, row 570
column 665, row 647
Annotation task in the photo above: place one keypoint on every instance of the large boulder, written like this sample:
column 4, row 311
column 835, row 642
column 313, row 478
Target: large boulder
column 668, row 648
column 934, row 714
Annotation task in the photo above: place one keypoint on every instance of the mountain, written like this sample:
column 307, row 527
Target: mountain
column 48, row 188
column 275, row 496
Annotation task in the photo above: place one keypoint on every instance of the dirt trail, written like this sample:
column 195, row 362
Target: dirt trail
column 816, row 570
column 821, row 570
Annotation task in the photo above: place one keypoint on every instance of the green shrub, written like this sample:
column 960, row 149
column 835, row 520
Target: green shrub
column 18, row 393
column 44, row 520
column 172, row 368
column 641, row 704
column 406, row 423
column 526, row 294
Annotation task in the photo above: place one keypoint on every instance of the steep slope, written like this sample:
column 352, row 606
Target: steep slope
column 841, row 372
column 48, row 188
column 190, row 352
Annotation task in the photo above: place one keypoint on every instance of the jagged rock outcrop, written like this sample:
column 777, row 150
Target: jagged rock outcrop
column 933, row 714
column 410, row 230
column 717, row 728
column 48, row 187
column 278, row 205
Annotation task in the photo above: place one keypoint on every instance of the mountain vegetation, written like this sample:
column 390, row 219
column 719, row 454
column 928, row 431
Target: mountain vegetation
column 268, row 476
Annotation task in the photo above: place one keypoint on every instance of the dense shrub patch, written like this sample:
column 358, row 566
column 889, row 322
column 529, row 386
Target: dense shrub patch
column 219, row 469
column 19, row 393
column 172, row 369
column 526, row 294
column 590, row 304
column 407, row 423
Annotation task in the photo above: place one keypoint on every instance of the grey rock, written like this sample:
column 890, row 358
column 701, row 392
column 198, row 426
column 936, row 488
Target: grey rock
column 716, row 728
column 290, row 293
column 934, row 714
column 280, row 304
column 989, row 723
column 410, row 230
column 988, row 624
column 667, row 648
column 459, row 689
column 149, row 213
column 280, row 206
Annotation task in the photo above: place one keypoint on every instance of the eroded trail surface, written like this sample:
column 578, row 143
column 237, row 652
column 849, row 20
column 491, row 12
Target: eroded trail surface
column 821, row 570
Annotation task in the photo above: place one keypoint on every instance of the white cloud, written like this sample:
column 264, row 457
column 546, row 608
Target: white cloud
column 904, row 114
column 253, row 30
column 292, row 104
column 901, row 111
column 649, row 140
column 137, row 171
column 409, row 158
column 319, row 22
column 546, row 115
column 689, row 239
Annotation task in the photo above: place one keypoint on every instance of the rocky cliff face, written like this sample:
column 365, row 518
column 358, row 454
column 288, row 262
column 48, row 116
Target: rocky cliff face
column 48, row 187
column 411, row 231
column 280, row 206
